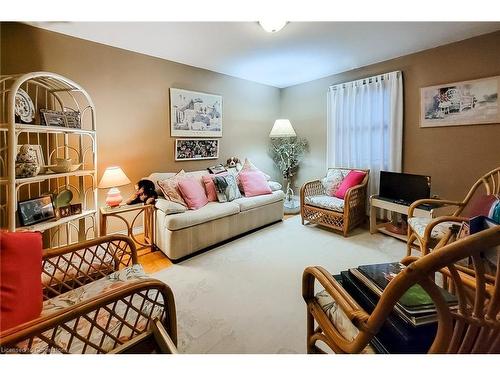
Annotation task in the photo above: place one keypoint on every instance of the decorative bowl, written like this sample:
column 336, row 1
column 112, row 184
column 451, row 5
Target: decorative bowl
column 64, row 168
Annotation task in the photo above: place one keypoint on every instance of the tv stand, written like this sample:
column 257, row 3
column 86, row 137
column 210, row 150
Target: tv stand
column 391, row 207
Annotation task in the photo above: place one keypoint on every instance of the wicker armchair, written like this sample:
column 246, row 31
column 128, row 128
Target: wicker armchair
column 426, row 234
column 96, row 300
column 472, row 328
column 343, row 217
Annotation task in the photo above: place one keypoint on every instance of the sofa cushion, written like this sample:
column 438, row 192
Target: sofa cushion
column 248, row 203
column 170, row 188
column 211, row 211
column 333, row 179
column 418, row 224
column 352, row 179
column 248, row 166
column 193, row 193
column 327, row 202
column 208, row 181
column 275, row 186
column 254, row 183
column 339, row 319
column 169, row 207
column 20, row 269
column 226, row 188
column 157, row 177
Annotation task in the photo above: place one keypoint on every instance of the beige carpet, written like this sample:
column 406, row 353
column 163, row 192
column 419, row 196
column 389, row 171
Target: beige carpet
column 245, row 296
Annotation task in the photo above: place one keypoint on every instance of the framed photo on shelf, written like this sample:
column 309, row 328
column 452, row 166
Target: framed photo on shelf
column 196, row 149
column 53, row 118
column 195, row 114
column 35, row 210
column 460, row 103
column 65, row 211
column 219, row 168
column 76, row 209
column 73, row 119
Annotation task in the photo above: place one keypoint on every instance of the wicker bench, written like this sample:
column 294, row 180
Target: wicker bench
column 97, row 299
column 343, row 215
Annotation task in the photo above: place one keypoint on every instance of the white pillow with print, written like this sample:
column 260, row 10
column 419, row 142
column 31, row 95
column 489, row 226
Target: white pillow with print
column 332, row 181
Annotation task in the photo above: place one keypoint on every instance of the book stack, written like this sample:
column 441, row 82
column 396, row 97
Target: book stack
column 412, row 326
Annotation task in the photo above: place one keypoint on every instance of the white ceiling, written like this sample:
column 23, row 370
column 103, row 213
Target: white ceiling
column 301, row 52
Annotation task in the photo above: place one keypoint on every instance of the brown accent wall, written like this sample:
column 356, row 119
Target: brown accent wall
column 453, row 156
column 131, row 95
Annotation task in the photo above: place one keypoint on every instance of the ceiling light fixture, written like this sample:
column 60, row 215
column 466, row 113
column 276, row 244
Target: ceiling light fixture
column 272, row 26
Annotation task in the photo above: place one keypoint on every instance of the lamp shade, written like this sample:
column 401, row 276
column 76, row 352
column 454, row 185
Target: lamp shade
column 113, row 177
column 282, row 128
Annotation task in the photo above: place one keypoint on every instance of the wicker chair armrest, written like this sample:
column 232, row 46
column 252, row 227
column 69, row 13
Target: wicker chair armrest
column 355, row 196
column 43, row 329
column 353, row 311
column 441, row 219
column 437, row 202
column 311, row 188
column 69, row 267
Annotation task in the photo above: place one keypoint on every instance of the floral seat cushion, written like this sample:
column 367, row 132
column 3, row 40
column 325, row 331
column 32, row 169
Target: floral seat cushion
column 327, row 202
column 418, row 224
column 81, row 262
column 107, row 324
column 339, row 319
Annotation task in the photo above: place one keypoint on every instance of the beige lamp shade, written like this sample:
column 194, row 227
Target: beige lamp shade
column 113, row 177
column 282, row 129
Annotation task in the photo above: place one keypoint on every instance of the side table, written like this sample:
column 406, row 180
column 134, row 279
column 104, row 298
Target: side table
column 137, row 209
column 376, row 202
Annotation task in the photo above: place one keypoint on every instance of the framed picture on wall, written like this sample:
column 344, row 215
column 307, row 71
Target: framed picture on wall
column 195, row 114
column 196, row 149
column 460, row 103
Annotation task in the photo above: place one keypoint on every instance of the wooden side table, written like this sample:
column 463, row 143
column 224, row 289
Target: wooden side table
column 376, row 202
column 137, row 209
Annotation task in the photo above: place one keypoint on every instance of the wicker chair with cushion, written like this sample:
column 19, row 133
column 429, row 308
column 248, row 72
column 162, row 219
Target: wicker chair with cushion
column 336, row 319
column 97, row 299
column 319, row 206
column 426, row 234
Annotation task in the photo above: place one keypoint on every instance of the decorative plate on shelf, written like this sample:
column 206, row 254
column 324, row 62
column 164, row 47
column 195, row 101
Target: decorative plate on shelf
column 63, row 198
column 25, row 109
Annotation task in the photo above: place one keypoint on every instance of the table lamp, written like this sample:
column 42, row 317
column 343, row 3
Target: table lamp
column 113, row 177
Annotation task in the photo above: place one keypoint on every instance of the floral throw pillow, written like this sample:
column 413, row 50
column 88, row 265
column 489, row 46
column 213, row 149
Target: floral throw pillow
column 170, row 188
column 226, row 188
column 332, row 181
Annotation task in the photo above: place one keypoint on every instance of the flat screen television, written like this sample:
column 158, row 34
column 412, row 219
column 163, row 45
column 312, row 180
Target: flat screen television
column 404, row 188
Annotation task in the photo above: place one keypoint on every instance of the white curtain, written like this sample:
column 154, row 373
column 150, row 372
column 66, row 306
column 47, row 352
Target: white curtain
column 365, row 125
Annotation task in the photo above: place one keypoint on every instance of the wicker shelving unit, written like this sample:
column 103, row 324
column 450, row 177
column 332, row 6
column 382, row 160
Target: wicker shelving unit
column 54, row 92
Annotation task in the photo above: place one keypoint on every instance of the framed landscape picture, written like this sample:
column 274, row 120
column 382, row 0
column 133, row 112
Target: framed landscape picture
column 196, row 149
column 461, row 103
column 195, row 114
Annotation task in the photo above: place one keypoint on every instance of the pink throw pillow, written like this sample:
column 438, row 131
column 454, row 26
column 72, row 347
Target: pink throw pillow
column 353, row 178
column 208, row 181
column 254, row 183
column 193, row 193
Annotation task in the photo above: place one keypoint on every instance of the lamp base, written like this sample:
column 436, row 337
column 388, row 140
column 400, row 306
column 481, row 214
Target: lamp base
column 113, row 198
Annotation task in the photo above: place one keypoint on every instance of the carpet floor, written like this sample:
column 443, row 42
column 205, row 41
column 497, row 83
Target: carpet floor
column 245, row 296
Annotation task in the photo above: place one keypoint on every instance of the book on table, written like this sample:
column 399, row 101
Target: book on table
column 415, row 305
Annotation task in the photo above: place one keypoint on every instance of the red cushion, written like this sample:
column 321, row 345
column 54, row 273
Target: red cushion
column 208, row 181
column 193, row 193
column 20, row 275
column 353, row 178
column 479, row 205
column 254, row 183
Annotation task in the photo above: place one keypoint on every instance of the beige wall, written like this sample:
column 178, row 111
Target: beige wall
column 131, row 95
column 453, row 156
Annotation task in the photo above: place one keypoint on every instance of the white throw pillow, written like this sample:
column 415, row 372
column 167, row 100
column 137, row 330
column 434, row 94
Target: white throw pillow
column 275, row 186
column 169, row 207
column 332, row 181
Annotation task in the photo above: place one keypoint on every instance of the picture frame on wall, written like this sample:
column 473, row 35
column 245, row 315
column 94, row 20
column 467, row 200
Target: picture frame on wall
column 195, row 114
column 196, row 149
column 460, row 103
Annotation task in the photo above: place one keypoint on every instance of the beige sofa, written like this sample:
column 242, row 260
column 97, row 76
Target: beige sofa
column 181, row 234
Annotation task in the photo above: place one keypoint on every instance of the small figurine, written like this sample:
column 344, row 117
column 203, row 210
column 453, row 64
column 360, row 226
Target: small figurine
column 233, row 162
column 145, row 193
